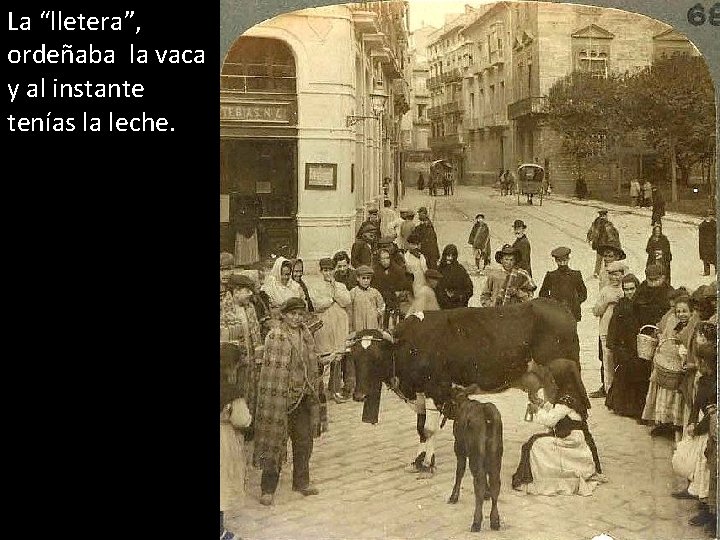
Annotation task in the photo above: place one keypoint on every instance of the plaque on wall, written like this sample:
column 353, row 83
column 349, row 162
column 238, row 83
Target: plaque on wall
column 224, row 208
column 321, row 176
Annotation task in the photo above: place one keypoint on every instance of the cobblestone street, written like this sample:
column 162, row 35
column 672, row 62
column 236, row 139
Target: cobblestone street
column 358, row 468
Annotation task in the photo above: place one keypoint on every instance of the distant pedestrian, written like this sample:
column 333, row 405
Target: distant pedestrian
column 707, row 237
column 581, row 189
column 509, row 179
column 564, row 284
column 658, row 251
column 479, row 240
column 421, row 182
column 522, row 246
column 602, row 233
column 647, row 194
column 387, row 220
column 658, row 206
column 634, row 192
column 455, row 287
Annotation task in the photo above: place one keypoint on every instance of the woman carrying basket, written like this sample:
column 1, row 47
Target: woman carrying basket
column 666, row 402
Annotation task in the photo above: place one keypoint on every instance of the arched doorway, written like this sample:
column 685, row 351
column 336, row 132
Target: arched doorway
column 258, row 150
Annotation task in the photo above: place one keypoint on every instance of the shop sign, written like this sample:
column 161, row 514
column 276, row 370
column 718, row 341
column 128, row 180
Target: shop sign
column 276, row 113
column 320, row 175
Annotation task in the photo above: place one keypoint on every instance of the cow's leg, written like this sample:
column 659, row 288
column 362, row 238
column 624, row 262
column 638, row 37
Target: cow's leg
column 459, row 471
column 477, row 468
column 432, row 425
column 493, row 460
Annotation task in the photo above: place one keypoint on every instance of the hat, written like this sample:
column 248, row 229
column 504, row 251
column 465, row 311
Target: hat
column 226, row 260
column 616, row 249
column 367, row 228
column 422, row 210
column 602, row 211
column 364, row 270
column 507, row 249
column 292, row 304
column 710, row 291
column 431, row 273
column 238, row 281
column 480, row 215
column 616, row 266
column 327, row 264
column 386, row 240
column 560, row 252
column 519, row 224
column 653, row 271
column 372, row 210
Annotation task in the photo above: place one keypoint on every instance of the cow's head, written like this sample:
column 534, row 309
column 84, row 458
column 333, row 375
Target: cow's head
column 371, row 353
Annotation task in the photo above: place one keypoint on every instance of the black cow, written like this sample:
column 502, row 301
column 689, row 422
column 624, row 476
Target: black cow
column 490, row 347
column 478, row 433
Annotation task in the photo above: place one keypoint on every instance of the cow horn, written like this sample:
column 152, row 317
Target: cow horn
column 387, row 337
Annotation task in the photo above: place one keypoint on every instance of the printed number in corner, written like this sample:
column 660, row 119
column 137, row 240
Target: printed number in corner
column 697, row 16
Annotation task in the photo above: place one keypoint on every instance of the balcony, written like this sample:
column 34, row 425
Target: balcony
column 527, row 107
column 365, row 22
column 447, row 141
column 454, row 75
column 401, row 96
column 494, row 120
column 497, row 58
column 453, row 107
column 433, row 82
column 434, row 112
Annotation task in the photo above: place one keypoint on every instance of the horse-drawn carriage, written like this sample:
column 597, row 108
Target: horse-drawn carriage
column 530, row 182
column 441, row 174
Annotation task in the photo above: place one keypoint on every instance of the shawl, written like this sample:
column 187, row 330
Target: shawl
column 481, row 238
column 280, row 389
column 276, row 291
column 455, row 281
column 660, row 244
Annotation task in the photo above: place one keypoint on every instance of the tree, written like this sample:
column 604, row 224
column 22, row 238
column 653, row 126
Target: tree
column 589, row 114
column 673, row 103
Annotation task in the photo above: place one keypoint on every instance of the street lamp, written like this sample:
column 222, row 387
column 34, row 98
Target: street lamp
column 378, row 100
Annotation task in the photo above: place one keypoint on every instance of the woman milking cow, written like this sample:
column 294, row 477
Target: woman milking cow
column 489, row 348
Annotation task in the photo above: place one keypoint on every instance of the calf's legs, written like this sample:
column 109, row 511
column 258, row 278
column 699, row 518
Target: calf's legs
column 459, row 473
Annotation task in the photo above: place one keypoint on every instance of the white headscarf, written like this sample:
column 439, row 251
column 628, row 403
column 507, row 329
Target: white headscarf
column 276, row 291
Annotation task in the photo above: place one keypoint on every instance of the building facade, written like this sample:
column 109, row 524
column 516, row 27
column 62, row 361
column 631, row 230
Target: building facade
column 487, row 90
column 550, row 41
column 310, row 109
column 416, row 126
column 446, row 56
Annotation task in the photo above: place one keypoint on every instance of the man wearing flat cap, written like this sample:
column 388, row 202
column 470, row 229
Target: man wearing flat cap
column 288, row 402
column 564, row 285
column 508, row 285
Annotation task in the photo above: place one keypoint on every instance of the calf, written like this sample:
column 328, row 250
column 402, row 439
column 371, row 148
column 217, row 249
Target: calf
column 477, row 428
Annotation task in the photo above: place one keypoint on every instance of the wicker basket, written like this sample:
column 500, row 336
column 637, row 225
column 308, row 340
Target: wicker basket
column 646, row 344
column 667, row 363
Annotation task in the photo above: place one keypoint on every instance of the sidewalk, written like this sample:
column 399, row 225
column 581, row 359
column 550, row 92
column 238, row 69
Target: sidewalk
column 624, row 209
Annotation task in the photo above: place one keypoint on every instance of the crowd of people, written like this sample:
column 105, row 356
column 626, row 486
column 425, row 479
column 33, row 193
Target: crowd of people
column 284, row 346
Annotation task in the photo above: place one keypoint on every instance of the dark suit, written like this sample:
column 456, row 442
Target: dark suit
column 522, row 245
column 567, row 287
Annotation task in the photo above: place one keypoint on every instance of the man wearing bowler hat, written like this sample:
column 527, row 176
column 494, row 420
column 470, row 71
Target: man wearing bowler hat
column 564, row 285
column 522, row 246
column 509, row 285
column 288, row 402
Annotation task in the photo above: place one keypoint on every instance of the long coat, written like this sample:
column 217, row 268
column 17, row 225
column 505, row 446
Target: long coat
column 659, row 244
column 567, row 287
column 428, row 242
column 707, row 238
column 285, row 376
column 455, row 288
column 522, row 246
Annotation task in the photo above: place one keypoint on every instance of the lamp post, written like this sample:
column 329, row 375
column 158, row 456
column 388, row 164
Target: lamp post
column 378, row 100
